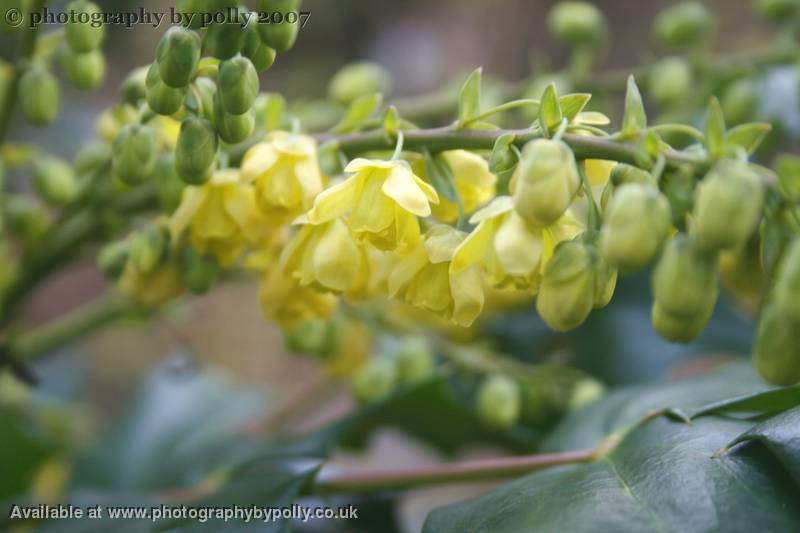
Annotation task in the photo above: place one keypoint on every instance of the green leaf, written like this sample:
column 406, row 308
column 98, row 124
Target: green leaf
column 440, row 176
column 749, row 136
column 469, row 99
column 359, row 113
column 634, row 119
column 391, row 121
column 788, row 169
column 771, row 401
column 550, row 113
column 273, row 110
column 503, row 158
column 573, row 104
column 664, row 475
column 715, row 129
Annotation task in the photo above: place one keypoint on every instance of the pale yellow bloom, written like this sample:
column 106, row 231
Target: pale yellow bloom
column 154, row 288
column 285, row 301
column 221, row 216
column 512, row 252
column 383, row 198
column 285, row 172
column 473, row 181
column 598, row 171
column 327, row 256
column 423, row 278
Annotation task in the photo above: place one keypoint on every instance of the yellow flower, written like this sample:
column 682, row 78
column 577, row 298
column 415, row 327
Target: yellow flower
column 286, row 175
column 328, row 257
column 154, row 288
column 598, row 171
column 285, row 301
column 472, row 179
column 384, row 199
column 423, row 278
column 512, row 252
column 221, row 216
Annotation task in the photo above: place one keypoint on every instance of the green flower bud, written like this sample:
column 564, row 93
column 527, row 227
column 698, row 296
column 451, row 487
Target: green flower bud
column 777, row 10
column 148, row 248
column 206, row 89
column 233, row 129
column 196, row 150
column 84, row 70
column 169, row 187
column 685, row 280
column 777, row 348
column 199, row 272
column 162, row 99
column 675, row 328
column 237, row 85
column 39, row 95
column 577, row 23
column 92, row 157
column 680, row 190
column 684, row 24
column 374, row 380
column 499, row 402
column 134, row 87
column 622, row 173
column 83, row 37
column 307, row 336
column 112, row 259
column 256, row 51
column 585, row 392
column 740, row 101
column 356, row 80
column 225, row 40
column 54, row 180
column 635, row 225
column 669, row 81
column 177, row 56
column 25, row 218
column 787, row 284
column 279, row 35
column 545, row 182
column 728, row 205
column 414, row 360
column 572, row 284
column 134, row 154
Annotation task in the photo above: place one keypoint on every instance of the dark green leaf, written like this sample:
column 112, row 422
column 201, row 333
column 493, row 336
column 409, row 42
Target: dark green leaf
column 781, row 436
column 359, row 112
column 634, row 119
column 771, row 401
column 749, row 136
column 550, row 114
column 469, row 99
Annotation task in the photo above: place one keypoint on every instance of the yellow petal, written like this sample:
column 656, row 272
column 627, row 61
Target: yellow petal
column 402, row 187
column 334, row 201
column 257, row 160
column 337, row 258
column 240, row 203
column 191, row 201
column 467, row 290
column 406, row 269
column 475, row 248
column 498, row 206
column 519, row 249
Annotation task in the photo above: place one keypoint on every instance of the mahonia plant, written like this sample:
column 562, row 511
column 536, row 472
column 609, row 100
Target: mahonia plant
column 377, row 239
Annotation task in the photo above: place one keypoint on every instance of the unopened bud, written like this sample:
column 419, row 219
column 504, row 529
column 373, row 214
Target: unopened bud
column 162, row 99
column 148, row 249
column 224, row 40
column 196, row 150
column 169, row 187
column 255, row 50
column 499, row 401
column 112, row 259
column 234, row 129
column 777, row 10
column 777, row 348
column 585, row 392
column 54, row 180
column 622, row 173
column 685, row 288
column 177, row 56
column 635, row 225
column 134, row 87
column 307, row 336
column 684, row 24
column 356, row 80
column 134, row 154
column 569, row 286
column 39, row 95
column 84, row 70
column 787, row 284
column 414, row 360
column 669, row 81
column 728, row 205
column 81, row 33
column 374, row 380
column 740, row 101
column 279, row 35
column 577, row 23
column 199, row 272
column 237, row 85
column 545, row 182
column 25, row 218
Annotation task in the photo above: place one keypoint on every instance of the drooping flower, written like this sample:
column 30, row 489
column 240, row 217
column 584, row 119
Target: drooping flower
column 285, row 301
column 328, row 257
column 423, row 279
column 285, row 173
column 473, row 181
column 154, row 288
column 221, row 217
column 384, row 199
column 512, row 252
